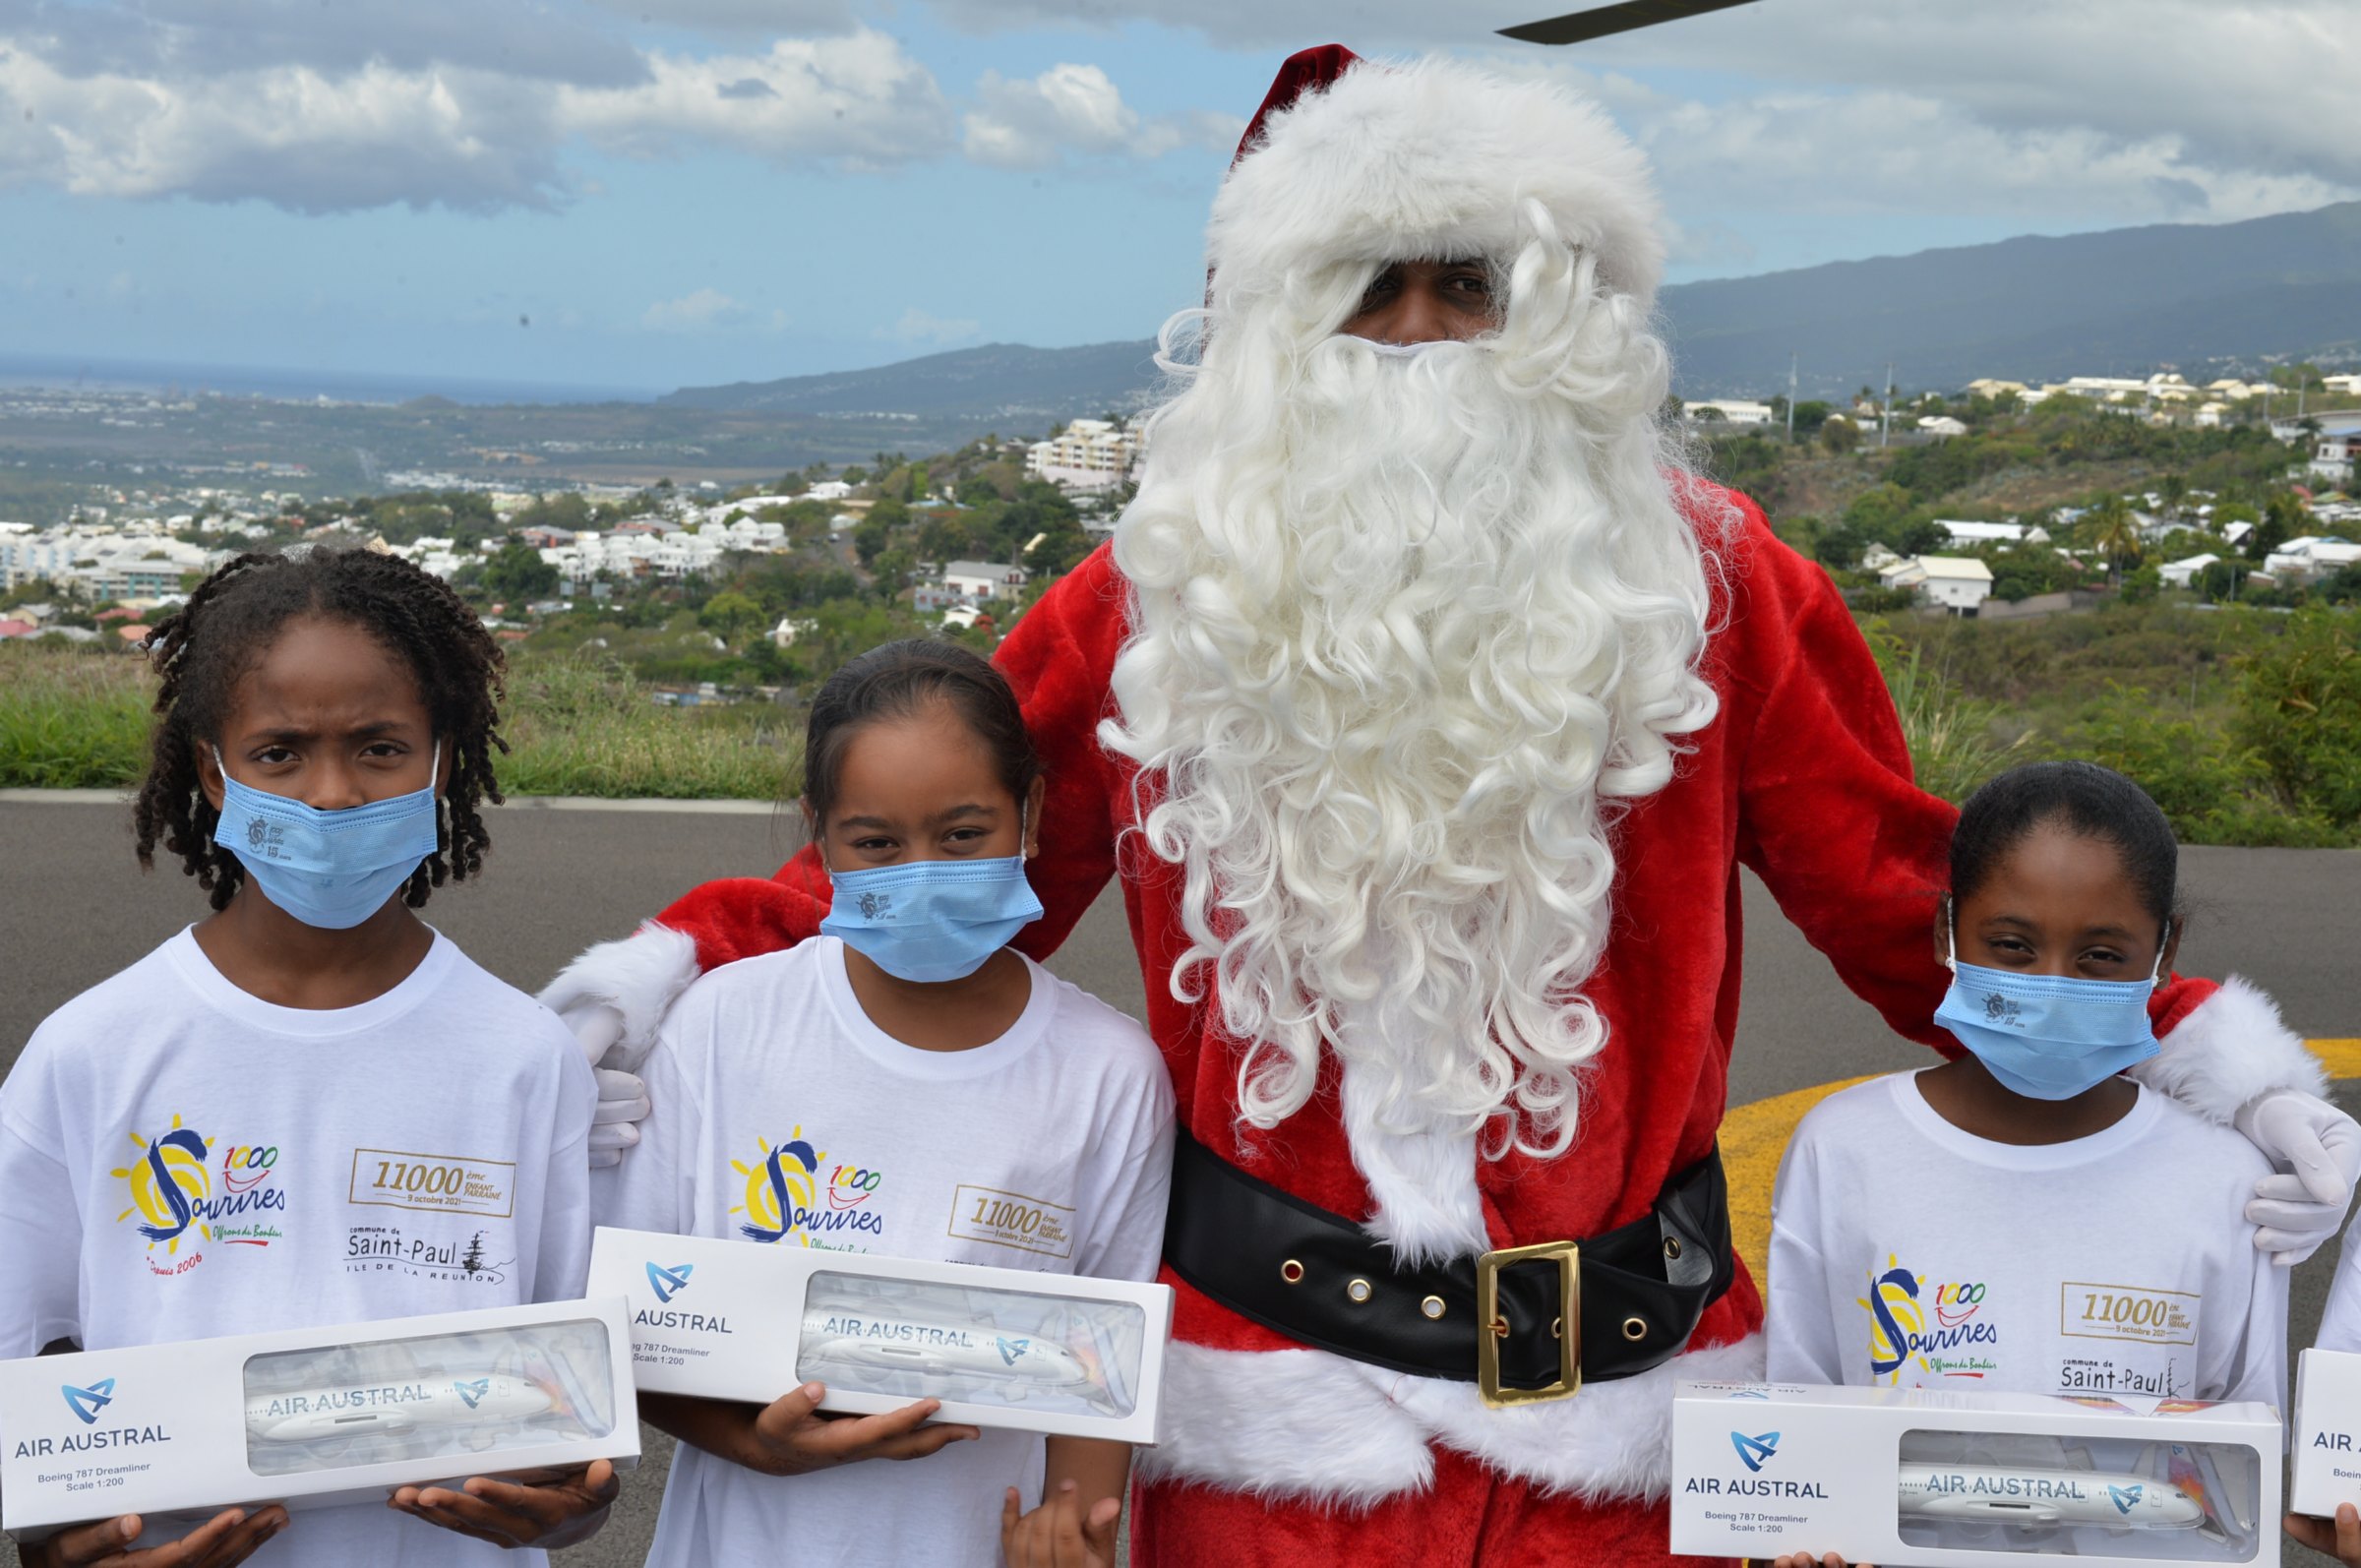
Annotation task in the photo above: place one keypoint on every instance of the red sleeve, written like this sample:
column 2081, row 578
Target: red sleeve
column 1853, row 851
column 1059, row 660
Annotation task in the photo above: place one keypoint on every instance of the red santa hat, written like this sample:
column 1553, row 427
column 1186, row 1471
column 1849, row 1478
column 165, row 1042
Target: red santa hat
column 1349, row 160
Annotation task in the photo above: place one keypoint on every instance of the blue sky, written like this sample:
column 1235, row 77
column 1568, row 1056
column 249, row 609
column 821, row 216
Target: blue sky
column 653, row 193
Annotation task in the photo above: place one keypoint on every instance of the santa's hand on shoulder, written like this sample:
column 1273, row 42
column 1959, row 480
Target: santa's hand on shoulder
column 2227, row 1056
column 612, row 997
column 2318, row 1150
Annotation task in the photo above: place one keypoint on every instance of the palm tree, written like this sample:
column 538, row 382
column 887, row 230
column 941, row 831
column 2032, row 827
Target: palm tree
column 2115, row 531
column 2175, row 491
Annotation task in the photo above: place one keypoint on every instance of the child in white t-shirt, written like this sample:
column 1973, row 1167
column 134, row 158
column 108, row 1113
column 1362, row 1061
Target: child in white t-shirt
column 2023, row 1219
column 876, row 1090
column 199, row 1146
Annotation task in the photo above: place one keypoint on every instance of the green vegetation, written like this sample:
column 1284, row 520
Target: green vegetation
column 76, row 718
column 2236, row 703
column 2244, row 724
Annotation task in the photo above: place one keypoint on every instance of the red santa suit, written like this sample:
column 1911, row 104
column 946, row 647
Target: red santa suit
column 1276, row 1453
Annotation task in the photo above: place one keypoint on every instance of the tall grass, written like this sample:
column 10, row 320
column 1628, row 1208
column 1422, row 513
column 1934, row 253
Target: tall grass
column 1952, row 740
column 77, row 718
column 71, row 718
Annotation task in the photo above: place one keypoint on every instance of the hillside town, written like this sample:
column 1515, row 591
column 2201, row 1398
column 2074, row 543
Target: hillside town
column 128, row 554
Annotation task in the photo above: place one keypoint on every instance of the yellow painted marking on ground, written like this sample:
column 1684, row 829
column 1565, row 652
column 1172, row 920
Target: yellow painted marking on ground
column 1754, row 1136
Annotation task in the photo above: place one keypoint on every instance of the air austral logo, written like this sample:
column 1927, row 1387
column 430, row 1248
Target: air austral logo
column 2125, row 1498
column 668, row 1283
column 1754, row 1451
column 87, row 1403
column 473, row 1393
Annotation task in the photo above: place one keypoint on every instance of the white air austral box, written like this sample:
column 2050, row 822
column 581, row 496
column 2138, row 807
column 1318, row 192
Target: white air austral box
column 1009, row 1348
column 2327, row 1446
column 316, row 1416
column 1942, row 1479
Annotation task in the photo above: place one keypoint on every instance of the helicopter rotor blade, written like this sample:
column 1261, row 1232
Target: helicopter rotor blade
column 1599, row 22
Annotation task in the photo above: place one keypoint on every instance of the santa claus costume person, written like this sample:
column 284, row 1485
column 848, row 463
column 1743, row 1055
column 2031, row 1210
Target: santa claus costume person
column 1426, row 708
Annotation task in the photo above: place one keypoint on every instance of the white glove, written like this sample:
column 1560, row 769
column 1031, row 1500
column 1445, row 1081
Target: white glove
column 2321, row 1147
column 622, row 1098
column 623, row 1103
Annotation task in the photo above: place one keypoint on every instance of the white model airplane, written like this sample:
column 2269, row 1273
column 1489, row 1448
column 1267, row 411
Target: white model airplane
column 486, row 1404
column 2011, row 1494
column 1022, row 1363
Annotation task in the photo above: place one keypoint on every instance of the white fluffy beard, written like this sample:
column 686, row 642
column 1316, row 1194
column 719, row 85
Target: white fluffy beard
column 1404, row 634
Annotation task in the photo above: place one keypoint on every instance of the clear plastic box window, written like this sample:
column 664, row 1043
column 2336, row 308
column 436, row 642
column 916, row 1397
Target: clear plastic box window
column 2080, row 1497
column 470, row 1397
column 980, row 1345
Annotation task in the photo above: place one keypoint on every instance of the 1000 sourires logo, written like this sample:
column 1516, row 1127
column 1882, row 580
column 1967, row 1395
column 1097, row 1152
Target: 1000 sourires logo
column 795, row 1192
column 188, row 1191
column 1939, row 1327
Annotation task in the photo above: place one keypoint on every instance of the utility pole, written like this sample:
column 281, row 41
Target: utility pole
column 1884, row 424
column 1790, row 400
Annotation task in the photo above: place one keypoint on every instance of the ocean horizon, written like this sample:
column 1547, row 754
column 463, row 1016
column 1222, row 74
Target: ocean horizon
column 285, row 385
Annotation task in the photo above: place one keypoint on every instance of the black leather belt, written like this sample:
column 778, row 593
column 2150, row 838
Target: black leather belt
column 1498, row 1320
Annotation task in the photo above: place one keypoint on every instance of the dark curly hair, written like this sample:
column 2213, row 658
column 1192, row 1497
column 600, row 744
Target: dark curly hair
column 202, row 651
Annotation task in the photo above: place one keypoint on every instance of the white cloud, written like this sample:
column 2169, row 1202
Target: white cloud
column 692, row 312
column 315, row 140
column 1034, row 123
column 919, row 329
column 768, row 18
column 162, row 107
column 290, row 135
column 2099, row 111
column 708, row 309
column 859, row 98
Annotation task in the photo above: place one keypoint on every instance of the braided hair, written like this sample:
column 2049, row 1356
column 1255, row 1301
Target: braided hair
column 202, row 651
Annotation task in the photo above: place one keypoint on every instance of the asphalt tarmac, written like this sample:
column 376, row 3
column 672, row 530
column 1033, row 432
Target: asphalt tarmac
column 75, row 908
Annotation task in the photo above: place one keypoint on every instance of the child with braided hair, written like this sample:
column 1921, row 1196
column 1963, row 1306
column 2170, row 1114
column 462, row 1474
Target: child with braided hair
column 188, row 1145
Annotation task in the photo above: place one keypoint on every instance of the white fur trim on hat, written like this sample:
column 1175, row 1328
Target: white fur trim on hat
column 1434, row 159
column 2229, row 1049
column 638, row 976
column 1306, row 1424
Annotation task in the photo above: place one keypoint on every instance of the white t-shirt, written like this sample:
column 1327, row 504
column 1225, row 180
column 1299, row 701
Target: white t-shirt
column 882, row 1144
column 1905, row 1252
column 184, row 1160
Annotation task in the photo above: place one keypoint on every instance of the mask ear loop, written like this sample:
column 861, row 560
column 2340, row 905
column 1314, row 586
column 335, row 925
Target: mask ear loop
column 2156, row 974
column 1951, row 935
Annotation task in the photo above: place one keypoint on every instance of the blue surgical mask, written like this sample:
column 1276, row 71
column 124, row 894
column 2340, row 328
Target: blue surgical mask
column 331, row 870
column 929, row 921
column 2048, row 1037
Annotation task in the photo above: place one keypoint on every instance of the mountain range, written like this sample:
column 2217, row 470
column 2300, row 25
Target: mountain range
column 2116, row 302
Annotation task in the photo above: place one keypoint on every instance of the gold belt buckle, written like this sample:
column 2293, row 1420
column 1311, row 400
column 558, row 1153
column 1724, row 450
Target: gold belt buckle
column 1492, row 1327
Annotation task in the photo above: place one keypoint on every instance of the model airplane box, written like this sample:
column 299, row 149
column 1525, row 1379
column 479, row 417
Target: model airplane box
column 2326, row 1450
column 1944, row 1480
column 1004, row 1347
column 315, row 1415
